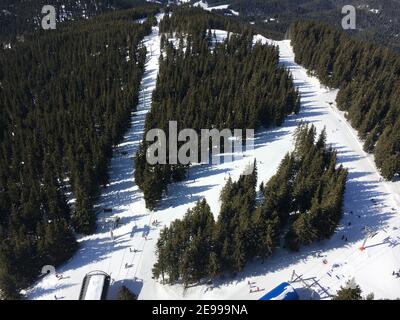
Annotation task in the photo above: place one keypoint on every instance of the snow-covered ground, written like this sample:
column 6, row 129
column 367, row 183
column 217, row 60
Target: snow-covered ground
column 204, row 5
column 130, row 256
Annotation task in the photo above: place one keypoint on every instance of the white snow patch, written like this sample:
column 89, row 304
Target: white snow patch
column 204, row 5
column 263, row 40
column 220, row 35
column 201, row 4
column 141, row 21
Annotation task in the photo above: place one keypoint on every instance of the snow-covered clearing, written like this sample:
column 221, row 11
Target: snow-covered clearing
column 204, row 5
column 130, row 256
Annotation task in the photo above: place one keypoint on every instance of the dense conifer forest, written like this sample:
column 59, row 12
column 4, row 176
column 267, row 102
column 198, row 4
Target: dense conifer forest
column 369, row 80
column 66, row 97
column 378, row 21
column 66, row 100
column 21, row 17
column 204, row 85
column 300, row 205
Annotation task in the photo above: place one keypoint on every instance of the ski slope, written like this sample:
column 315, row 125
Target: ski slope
column 130, row 255
column 204, row 5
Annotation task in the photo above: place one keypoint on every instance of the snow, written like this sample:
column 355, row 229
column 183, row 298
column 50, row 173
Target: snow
column 204, row 5
column 376, row 11
column 141, row 21
column 221, row 7
column 221, row 35
column 262, row 40
column 201, row 4
column 130, row 257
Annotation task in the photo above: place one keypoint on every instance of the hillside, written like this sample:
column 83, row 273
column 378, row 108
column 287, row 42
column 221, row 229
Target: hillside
column 20, row 17
column 377, row 20
column 369, row 202
column 183, row 150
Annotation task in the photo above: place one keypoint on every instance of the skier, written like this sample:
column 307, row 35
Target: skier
column 55, row 297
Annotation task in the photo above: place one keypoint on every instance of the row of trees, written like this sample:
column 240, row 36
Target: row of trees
column 300, row 205
column 203, row 85
column 20, row 18
column 66, row 98
column 307, row 191
column 274, row 17
column 369, row 80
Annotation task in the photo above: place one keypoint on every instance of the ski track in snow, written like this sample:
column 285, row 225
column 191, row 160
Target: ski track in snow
column 372, row 268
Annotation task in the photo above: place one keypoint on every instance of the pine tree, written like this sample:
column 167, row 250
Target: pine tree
column 349, row 292
column 84, row 218
column 213, row 265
